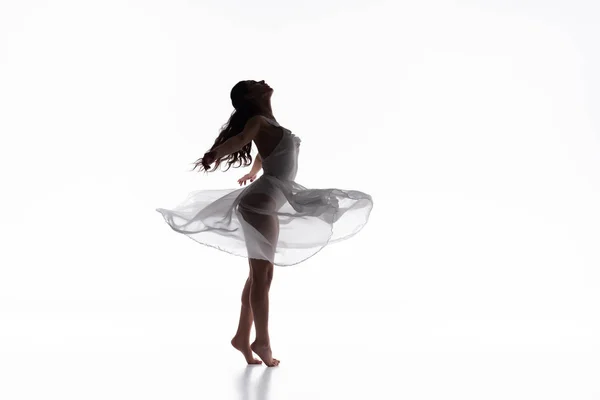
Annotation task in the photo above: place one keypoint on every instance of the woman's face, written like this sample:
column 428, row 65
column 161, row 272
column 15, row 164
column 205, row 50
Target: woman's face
column 258, row 90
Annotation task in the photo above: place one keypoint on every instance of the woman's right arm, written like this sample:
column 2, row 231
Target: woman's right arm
column 252, row 174
column 257, row 165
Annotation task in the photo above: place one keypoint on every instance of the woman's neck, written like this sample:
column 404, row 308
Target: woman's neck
column 268, row 115
column 266, row 111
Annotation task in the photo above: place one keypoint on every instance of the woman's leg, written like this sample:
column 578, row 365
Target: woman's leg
column 262, row 275
column 241, row 340
column 257, row 209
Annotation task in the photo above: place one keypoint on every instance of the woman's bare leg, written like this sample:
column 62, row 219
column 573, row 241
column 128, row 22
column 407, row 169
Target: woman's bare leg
column 262, row 275
column 241, row 340
column 257, row 210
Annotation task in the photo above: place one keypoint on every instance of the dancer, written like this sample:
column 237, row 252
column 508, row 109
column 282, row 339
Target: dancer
column 272, row 221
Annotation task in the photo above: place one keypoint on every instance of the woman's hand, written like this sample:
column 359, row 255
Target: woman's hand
column 246, row 177
column 207, row 159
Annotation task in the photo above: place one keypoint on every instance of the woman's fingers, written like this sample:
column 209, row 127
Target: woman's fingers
column 244, row 179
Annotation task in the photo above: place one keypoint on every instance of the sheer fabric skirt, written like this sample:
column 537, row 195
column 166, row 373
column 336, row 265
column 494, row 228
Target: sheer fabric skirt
column 271, row 219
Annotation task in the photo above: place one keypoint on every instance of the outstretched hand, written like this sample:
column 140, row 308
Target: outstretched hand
column 207, row 159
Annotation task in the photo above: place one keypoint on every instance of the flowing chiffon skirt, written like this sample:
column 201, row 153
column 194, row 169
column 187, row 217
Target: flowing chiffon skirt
column 285, row 230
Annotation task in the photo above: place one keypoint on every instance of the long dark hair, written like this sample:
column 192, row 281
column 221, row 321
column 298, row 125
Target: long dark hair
column 244, row 110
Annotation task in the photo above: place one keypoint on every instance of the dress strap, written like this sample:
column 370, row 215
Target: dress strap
column 271, row 120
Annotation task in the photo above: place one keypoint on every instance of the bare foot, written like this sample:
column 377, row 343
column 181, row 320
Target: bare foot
column 264, row 352
column 243, row 346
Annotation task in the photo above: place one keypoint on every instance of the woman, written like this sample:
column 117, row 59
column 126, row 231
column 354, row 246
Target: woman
column 273, row 221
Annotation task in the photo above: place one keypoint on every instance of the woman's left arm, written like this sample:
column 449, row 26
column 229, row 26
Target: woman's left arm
column 238, row 141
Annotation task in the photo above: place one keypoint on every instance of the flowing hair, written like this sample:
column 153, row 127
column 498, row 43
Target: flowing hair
column 244, row 110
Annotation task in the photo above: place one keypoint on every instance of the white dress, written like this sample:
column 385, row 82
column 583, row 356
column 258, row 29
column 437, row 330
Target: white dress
column 274, row 218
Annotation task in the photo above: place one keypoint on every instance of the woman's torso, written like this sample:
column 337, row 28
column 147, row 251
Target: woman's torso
column 269, row 136
column 278, row 148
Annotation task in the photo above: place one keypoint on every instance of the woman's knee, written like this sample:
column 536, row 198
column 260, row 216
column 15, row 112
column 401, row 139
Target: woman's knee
column 262, row 272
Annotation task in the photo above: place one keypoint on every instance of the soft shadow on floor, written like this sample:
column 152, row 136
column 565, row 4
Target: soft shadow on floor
column 261, row 388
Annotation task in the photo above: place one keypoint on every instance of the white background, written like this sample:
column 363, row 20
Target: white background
column 473, row 124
